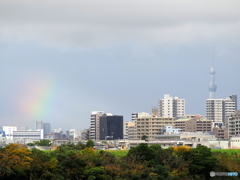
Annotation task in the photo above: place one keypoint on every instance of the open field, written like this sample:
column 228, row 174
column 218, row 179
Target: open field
column 118, row 153
column 229, row 151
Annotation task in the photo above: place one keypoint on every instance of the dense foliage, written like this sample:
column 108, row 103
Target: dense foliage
column 72, row 162
column 43, row 142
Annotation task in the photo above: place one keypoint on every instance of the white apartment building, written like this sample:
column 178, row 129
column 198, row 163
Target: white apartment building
column 75, row 133
column 218, row 109
column 171, row 106
column 9, row 131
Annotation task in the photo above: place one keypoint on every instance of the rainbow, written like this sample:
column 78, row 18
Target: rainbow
column 37, row 98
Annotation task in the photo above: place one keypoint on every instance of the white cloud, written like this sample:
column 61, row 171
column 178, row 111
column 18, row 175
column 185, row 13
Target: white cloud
column 94, row 23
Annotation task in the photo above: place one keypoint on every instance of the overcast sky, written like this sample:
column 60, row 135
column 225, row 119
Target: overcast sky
column 60, row 60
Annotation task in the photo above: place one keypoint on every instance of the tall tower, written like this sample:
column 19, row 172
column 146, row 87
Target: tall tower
column 212, row 86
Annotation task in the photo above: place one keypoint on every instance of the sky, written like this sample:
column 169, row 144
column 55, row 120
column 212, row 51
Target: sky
column 60, row 60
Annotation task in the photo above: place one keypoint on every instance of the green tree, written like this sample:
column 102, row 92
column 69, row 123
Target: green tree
column 80, row 146
column 31, row 144
column 144, row 137
column 43, row 165
column 14, row 161
column 43, row 142
column 202, row 161
column 90, row 143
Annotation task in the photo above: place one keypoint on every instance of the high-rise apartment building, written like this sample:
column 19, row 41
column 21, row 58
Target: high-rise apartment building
column 111, row 127
column 218, row 109
column 171, row 106
column 94, row 128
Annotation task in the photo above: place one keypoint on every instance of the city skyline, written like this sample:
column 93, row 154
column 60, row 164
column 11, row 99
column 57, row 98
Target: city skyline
column 60, row 61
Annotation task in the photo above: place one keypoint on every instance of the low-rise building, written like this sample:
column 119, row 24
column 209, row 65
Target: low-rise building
column 234, row 142
column 194, row 125
column 170, row 130
column 151, row 126
column 220, row 133
column 29, row 134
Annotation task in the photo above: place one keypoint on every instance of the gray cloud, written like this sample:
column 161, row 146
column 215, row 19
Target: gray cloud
column 93, row 23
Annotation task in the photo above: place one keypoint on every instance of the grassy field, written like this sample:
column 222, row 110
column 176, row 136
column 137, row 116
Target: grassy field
column 229, row 151
column 118, row 153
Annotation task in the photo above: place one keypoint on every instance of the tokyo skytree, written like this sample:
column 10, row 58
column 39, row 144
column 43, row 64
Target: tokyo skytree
column 212, row 86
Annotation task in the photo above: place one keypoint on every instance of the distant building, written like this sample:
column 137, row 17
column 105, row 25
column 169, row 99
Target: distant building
column 155, row 112
column 111, row 127
column 9, row 131
column 74, row 134
column 85, row 134
column 59, row 130
column 171, row 107
column 233, row 124
column 194, row 125
column 94, row 128
column 2, row 134
column 191, row 116
column 151, row 126
column 39, row 125
column 140, row 115
column 46, row 128
column 218, row 109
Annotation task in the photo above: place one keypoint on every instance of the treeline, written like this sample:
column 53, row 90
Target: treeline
column 75, row 162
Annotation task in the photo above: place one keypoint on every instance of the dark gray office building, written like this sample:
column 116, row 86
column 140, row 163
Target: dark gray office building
column 111, row 127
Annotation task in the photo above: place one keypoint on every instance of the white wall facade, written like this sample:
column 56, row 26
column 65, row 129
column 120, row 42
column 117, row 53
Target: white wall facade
column 171, row 107
column 9, row 131
column 217, row 109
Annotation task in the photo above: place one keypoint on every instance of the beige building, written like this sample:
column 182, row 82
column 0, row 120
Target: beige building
column 129, row 130
column 193, row 125
column 220, row 133
column 151, row 126
column 233, row 124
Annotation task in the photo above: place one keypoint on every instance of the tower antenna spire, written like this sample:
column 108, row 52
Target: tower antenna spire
column 213, row 55
column 212, row 87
